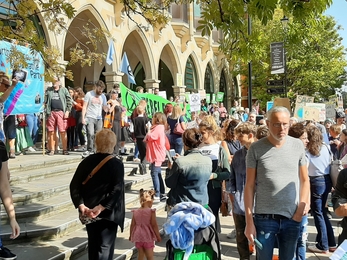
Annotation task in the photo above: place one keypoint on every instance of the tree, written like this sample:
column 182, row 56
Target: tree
column 316, row 59
column 19, row 23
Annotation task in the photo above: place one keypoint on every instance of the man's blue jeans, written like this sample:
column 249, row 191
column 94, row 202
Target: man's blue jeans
column 301, row 245
column 157, row 179
column 320, row 188
column 283, row 231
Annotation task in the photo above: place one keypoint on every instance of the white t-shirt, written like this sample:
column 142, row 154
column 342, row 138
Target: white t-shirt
column 95, row 104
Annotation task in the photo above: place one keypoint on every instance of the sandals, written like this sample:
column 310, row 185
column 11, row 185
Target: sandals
column 50, row 153
column 65, row 152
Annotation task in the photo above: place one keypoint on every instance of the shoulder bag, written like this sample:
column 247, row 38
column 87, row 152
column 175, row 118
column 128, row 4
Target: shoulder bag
column 335, row 166
column 83, row 218
column 178, row 130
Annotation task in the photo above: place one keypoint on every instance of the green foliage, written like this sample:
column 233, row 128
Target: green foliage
column 18, row 24
column 316, row 59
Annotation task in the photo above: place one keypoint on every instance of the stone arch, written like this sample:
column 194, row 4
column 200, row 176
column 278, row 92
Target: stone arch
column 138, row 50
column 198, row 70
column 84, row 77
column 169, row 66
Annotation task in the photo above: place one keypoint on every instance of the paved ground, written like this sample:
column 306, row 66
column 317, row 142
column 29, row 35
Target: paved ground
column 228, row 246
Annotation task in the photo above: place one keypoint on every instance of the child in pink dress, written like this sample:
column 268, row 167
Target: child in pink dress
column 144, row 228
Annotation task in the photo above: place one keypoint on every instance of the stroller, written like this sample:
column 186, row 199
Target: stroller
column 205, row 239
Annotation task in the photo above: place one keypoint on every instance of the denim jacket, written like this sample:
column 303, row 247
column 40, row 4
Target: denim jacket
column 188, row 178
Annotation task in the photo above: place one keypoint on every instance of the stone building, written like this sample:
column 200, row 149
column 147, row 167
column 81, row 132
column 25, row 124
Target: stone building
column 174, row 57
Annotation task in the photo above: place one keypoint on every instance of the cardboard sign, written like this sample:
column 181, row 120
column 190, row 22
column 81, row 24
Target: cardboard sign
column 300, row 103
column 283, row 102
column 311, row 113
column 330, row 110
column 320, row 107
column 202, row 94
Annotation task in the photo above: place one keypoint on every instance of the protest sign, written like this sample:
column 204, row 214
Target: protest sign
column 330, row 110
column 300, row 103
column 320, row 107
column 284, row 102
column 208, row 98
column 311, row 113
column 202, row 94
column 194, row 101
column 27, row 96
column 220, row 96
column 269, row 105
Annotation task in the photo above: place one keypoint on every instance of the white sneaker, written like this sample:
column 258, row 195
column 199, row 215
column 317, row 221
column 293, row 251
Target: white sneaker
column 156, row 199
column 137, row 160
column 232, row 234
column 31, row 149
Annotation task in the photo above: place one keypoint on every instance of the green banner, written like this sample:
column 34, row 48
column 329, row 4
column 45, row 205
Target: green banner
column 130, row 100
column 220, row 96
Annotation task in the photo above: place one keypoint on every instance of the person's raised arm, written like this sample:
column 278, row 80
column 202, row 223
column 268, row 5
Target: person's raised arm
column 8, row 91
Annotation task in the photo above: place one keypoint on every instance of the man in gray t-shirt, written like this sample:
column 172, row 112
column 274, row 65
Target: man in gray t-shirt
column 94, row 103
column 278, row 184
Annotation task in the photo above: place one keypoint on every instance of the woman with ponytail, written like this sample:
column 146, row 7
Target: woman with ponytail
column 188, row 176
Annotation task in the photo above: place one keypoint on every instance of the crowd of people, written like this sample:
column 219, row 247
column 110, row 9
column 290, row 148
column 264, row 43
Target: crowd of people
column 237, row 157
column 217, row 155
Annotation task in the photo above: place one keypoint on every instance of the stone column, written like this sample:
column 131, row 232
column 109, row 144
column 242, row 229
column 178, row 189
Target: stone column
column 179, row 91
column 151, row 84
column 111, row 78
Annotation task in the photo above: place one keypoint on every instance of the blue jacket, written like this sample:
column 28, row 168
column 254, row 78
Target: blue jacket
column 188, row 178
column 238, row 180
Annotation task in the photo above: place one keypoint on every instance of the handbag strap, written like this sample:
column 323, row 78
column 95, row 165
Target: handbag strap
column 95, row 170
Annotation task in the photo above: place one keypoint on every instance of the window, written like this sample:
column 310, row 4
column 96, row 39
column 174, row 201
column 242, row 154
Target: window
column 209, row 84
column 190, row 78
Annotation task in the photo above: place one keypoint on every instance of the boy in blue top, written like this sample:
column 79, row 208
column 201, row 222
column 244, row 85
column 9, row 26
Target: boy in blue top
column 246, row 135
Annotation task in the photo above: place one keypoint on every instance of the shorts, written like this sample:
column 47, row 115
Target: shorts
column 10, row 127
column 145, row 245
column 56, row 120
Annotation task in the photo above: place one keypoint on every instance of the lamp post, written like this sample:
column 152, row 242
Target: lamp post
column 284, row 22
column 249, row 66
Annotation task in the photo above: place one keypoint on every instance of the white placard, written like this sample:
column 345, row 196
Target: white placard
column 195, row 102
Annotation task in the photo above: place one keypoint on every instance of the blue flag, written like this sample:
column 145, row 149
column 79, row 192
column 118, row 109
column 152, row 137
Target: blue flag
column 125, row 68
column 110, row 53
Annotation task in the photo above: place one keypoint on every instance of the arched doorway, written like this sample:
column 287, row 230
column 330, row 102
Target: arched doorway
column 166, row 80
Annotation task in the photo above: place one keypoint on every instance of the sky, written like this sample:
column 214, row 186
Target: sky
column 339, row 11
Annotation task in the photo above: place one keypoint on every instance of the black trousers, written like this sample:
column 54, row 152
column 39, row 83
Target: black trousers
column 215, row 198
column 101, row 238
column 142, row 148
column 241, row 239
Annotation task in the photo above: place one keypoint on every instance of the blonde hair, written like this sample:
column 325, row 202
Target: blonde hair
column 337, row 129
column 208, row 123
column 140, row 109
column 159, row 118
column 105, row 141
column 176, row 112
column 146, row 195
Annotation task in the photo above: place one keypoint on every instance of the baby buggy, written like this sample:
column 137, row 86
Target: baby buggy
column 192, row 233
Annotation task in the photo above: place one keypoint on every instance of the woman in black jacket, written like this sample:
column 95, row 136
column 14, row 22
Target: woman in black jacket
column 102, row 197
